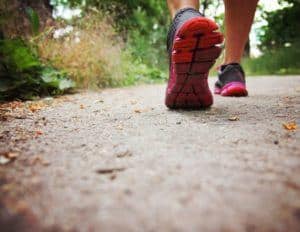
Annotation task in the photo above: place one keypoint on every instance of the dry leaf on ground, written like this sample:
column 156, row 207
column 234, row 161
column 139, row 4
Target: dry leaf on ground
column 12, row 155
column 290, row 126
column 38, row 132
column 35, row 106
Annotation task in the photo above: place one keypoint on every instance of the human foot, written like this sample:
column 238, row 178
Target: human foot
column 231, row 81
column 191, row 44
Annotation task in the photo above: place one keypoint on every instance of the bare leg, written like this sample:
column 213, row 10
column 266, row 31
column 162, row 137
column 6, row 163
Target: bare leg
column 175, row 5
column 238, row 20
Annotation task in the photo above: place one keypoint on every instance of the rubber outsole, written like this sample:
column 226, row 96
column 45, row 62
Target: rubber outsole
column 232, row 89
column 194, row 52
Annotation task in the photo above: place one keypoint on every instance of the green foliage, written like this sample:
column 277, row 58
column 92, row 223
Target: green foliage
column 142, row 73
column 142, row 24
column 34, row 20
column 145, row 26
column 23, row 76
column 279, row 62
column 147, row 37
column 282, row 27
column 279, row 42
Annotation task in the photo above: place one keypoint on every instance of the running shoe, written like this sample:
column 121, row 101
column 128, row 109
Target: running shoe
column 192, row 45
column 231, row 81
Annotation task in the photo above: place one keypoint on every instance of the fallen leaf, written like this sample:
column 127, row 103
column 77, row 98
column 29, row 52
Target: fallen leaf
column 13, row 105
column 33, row 107
column 138, row 111
column 11, row 155
column 234, row 118
column 290, row 126
column 39, row 132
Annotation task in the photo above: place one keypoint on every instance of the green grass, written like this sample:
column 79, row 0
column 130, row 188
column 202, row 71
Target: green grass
column 284, row 61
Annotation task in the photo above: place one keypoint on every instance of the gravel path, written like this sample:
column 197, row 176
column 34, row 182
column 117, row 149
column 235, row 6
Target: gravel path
column 119, row 160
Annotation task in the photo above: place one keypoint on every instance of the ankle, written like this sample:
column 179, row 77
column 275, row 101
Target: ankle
column 181, row 7
column 230, row 63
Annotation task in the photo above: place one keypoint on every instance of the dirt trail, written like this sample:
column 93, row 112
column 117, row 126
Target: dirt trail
column 118, row 160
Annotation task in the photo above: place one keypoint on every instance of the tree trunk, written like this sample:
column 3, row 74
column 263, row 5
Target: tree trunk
column 204, row 6
column 14, row 21
column 247, row 49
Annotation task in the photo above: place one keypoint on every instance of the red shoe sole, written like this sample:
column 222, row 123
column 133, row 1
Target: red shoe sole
column 194, row 52
column 232, row 89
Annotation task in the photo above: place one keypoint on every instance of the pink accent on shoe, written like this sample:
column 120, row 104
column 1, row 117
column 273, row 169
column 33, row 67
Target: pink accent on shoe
column 236, row 89
column 217, row 90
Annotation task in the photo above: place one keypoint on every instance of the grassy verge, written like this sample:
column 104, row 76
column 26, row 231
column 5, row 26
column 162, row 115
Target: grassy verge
column 284, row 61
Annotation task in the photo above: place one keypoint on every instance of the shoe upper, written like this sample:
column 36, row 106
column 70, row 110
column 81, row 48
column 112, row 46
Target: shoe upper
column 232, row 72
column 180, row 18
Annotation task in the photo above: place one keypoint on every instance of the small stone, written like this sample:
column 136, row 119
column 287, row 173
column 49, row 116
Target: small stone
column 234, row 118
column 113, row 176
column 124, row 154
column 128, row 192
column 4, row 160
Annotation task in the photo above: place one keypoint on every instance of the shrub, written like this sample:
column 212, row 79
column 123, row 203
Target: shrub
column 283, row 61
column 23, row 76
column 93, row 54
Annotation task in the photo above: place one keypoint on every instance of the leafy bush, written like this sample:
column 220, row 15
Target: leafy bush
column 282, row 27
column 283, row 61
column 141, row 25
column 23, row 76
column 34, row 20
column 89, row 51
column 93, row 54
column 147, row 40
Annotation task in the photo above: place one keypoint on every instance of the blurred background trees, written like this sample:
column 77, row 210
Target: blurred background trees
column 20, row 17
column 122, row 42
column 282, row 27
